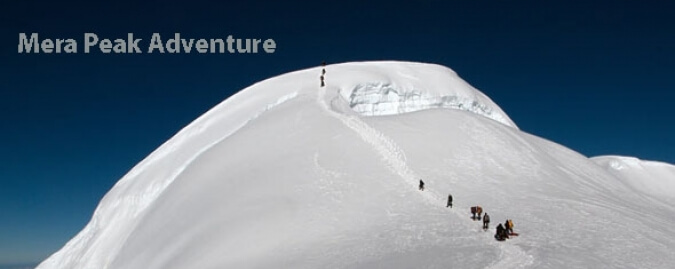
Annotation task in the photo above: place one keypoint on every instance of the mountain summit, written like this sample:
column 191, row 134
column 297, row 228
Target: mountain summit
column 289, row 174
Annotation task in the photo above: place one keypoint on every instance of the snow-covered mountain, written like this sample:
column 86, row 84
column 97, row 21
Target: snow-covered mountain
column 653, row 179
column 287, row 174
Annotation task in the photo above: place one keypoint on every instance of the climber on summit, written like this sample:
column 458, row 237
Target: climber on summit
column 323, row 72
column 449, row 201
column 421, row 185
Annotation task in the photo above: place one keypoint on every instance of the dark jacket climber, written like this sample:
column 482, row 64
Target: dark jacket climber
column 486, row 221
column 421, row 185
column 501, row 233
column 323, row 72
column 500, row 230
column 449, row 201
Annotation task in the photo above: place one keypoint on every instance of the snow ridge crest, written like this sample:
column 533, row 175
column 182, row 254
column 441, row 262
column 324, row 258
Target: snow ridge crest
column 386, row 98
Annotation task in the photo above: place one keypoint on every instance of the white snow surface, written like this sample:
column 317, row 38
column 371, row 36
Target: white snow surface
column 655, row 179
column 287, row 174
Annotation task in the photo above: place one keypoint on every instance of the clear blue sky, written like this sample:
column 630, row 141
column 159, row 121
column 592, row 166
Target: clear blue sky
column 595, row 76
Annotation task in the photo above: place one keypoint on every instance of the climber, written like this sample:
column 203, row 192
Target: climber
column 421, row 185
column 486, row 221
column 323, row 72
column 508, row 226
column 501, row 233
column 449, row 201
column 476, row 210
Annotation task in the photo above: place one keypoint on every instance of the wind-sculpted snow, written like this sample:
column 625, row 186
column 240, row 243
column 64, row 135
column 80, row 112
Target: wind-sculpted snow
column 287, row 174
column 377, row 99
column 396, row 88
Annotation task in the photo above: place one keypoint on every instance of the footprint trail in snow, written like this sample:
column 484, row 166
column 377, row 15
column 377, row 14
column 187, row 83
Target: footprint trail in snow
column 391, row 154
column 510, row 256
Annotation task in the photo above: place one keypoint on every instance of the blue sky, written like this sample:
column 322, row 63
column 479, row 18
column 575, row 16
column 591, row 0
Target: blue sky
column 595, row 76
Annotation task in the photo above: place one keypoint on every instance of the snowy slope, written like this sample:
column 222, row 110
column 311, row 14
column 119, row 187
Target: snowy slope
column 286, row 174
column 654, row 179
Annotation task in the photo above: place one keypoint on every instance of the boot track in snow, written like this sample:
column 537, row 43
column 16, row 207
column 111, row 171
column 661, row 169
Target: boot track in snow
column 511, row 256
column 391, row 154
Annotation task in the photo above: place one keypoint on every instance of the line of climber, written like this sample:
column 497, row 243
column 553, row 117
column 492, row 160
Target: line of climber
column 502, row 233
